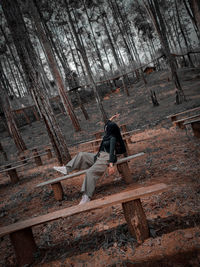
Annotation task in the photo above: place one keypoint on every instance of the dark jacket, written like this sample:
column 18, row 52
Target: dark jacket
column 112, row 142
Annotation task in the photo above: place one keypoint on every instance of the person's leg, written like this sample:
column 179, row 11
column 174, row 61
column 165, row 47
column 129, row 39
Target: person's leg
column 94, row 173
column 82, row 161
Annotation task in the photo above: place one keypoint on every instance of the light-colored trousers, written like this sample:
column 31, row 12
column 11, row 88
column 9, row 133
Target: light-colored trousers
column 85, row 160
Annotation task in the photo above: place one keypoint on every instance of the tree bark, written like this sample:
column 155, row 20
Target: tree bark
column 153, row 10
column 82, row 51
column 12, row 127
column 195, row 7
column 53, row 65
column 32, row 71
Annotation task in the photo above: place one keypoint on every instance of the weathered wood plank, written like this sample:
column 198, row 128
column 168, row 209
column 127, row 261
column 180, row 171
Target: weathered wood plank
column 95, row 204
column 136, row 219
column 84, row 171
column 183, row 112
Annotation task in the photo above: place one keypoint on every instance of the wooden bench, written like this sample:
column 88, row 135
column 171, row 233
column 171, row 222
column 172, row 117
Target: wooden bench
column 11, row 168
column 173, row 117
column 12, row 172
column 21, row 234
column 180, row 123
column 122, row 165
column 22, row 111
column 36, row 155
column 195, row 124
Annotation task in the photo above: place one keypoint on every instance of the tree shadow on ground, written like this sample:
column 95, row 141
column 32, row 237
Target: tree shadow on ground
column 119, row 236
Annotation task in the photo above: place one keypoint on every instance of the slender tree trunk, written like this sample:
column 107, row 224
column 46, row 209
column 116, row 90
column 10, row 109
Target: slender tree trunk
column 192, row 19
column 12, row 54
column 14, row 79
column 87, row 65
column 153, row 10
column 32, row 73
column 12, row 127
column 195, row 7
column 53, row 66
column 183, row 34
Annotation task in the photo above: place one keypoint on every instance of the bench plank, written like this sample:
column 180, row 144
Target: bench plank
column 187, row 118
column 13, row 168
column 193, row 121
column 94, row 204
column 183, row 112
column 84, row 171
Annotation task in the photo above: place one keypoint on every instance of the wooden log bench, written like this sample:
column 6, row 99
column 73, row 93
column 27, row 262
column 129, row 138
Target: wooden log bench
column 195, row 124
column 12, row 172
column 122, row 165
column 11, row 167
column 36, row 155
column 173, row 117
column 180, row 123
column 21, row 234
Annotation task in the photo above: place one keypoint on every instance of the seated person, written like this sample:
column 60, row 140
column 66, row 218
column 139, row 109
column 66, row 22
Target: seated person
column 112, row 144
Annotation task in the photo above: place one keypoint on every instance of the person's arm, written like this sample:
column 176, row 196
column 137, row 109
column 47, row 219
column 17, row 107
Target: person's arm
column 114, row 117
column 111, row 167
column 112, row 157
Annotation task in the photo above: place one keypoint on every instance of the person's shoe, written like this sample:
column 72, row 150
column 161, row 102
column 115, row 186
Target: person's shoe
column 61, row 169
column 84, row 199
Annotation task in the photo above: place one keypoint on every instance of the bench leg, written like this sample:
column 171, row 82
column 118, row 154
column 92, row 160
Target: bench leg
column 136, row 220
column 127, row 148
column 5, row 155
column 24, row 246
column 125, row 172
column 24, row 159
column 58, row 191
column 180, row 125
column 38, row 160
column 196, row 129
column 49, row 153
column 173, row 118
column 13, row 176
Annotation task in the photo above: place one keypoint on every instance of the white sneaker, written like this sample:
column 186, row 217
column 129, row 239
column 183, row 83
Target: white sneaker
column 61, row 169
column 84, row 199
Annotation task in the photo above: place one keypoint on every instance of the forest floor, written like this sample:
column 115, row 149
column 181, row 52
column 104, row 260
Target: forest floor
column 101, row 238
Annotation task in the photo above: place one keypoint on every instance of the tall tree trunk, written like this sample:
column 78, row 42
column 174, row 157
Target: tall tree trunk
column 31, row 68
column 12, row 127
column 195, row 7
column 12, row 54
column 153, row 9
column 52, row 64
column 192, row 19
column 14, row 78
column 87, row 65
column 183, row 34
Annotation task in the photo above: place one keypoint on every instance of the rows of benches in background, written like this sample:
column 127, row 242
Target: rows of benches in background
column 187, row 117
column 37, row 152
column 26, row 157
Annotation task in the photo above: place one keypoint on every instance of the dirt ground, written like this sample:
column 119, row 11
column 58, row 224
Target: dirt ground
column 101, row 237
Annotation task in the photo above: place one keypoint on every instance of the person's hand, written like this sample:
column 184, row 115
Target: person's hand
column 114, row 116
column 111, row 169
